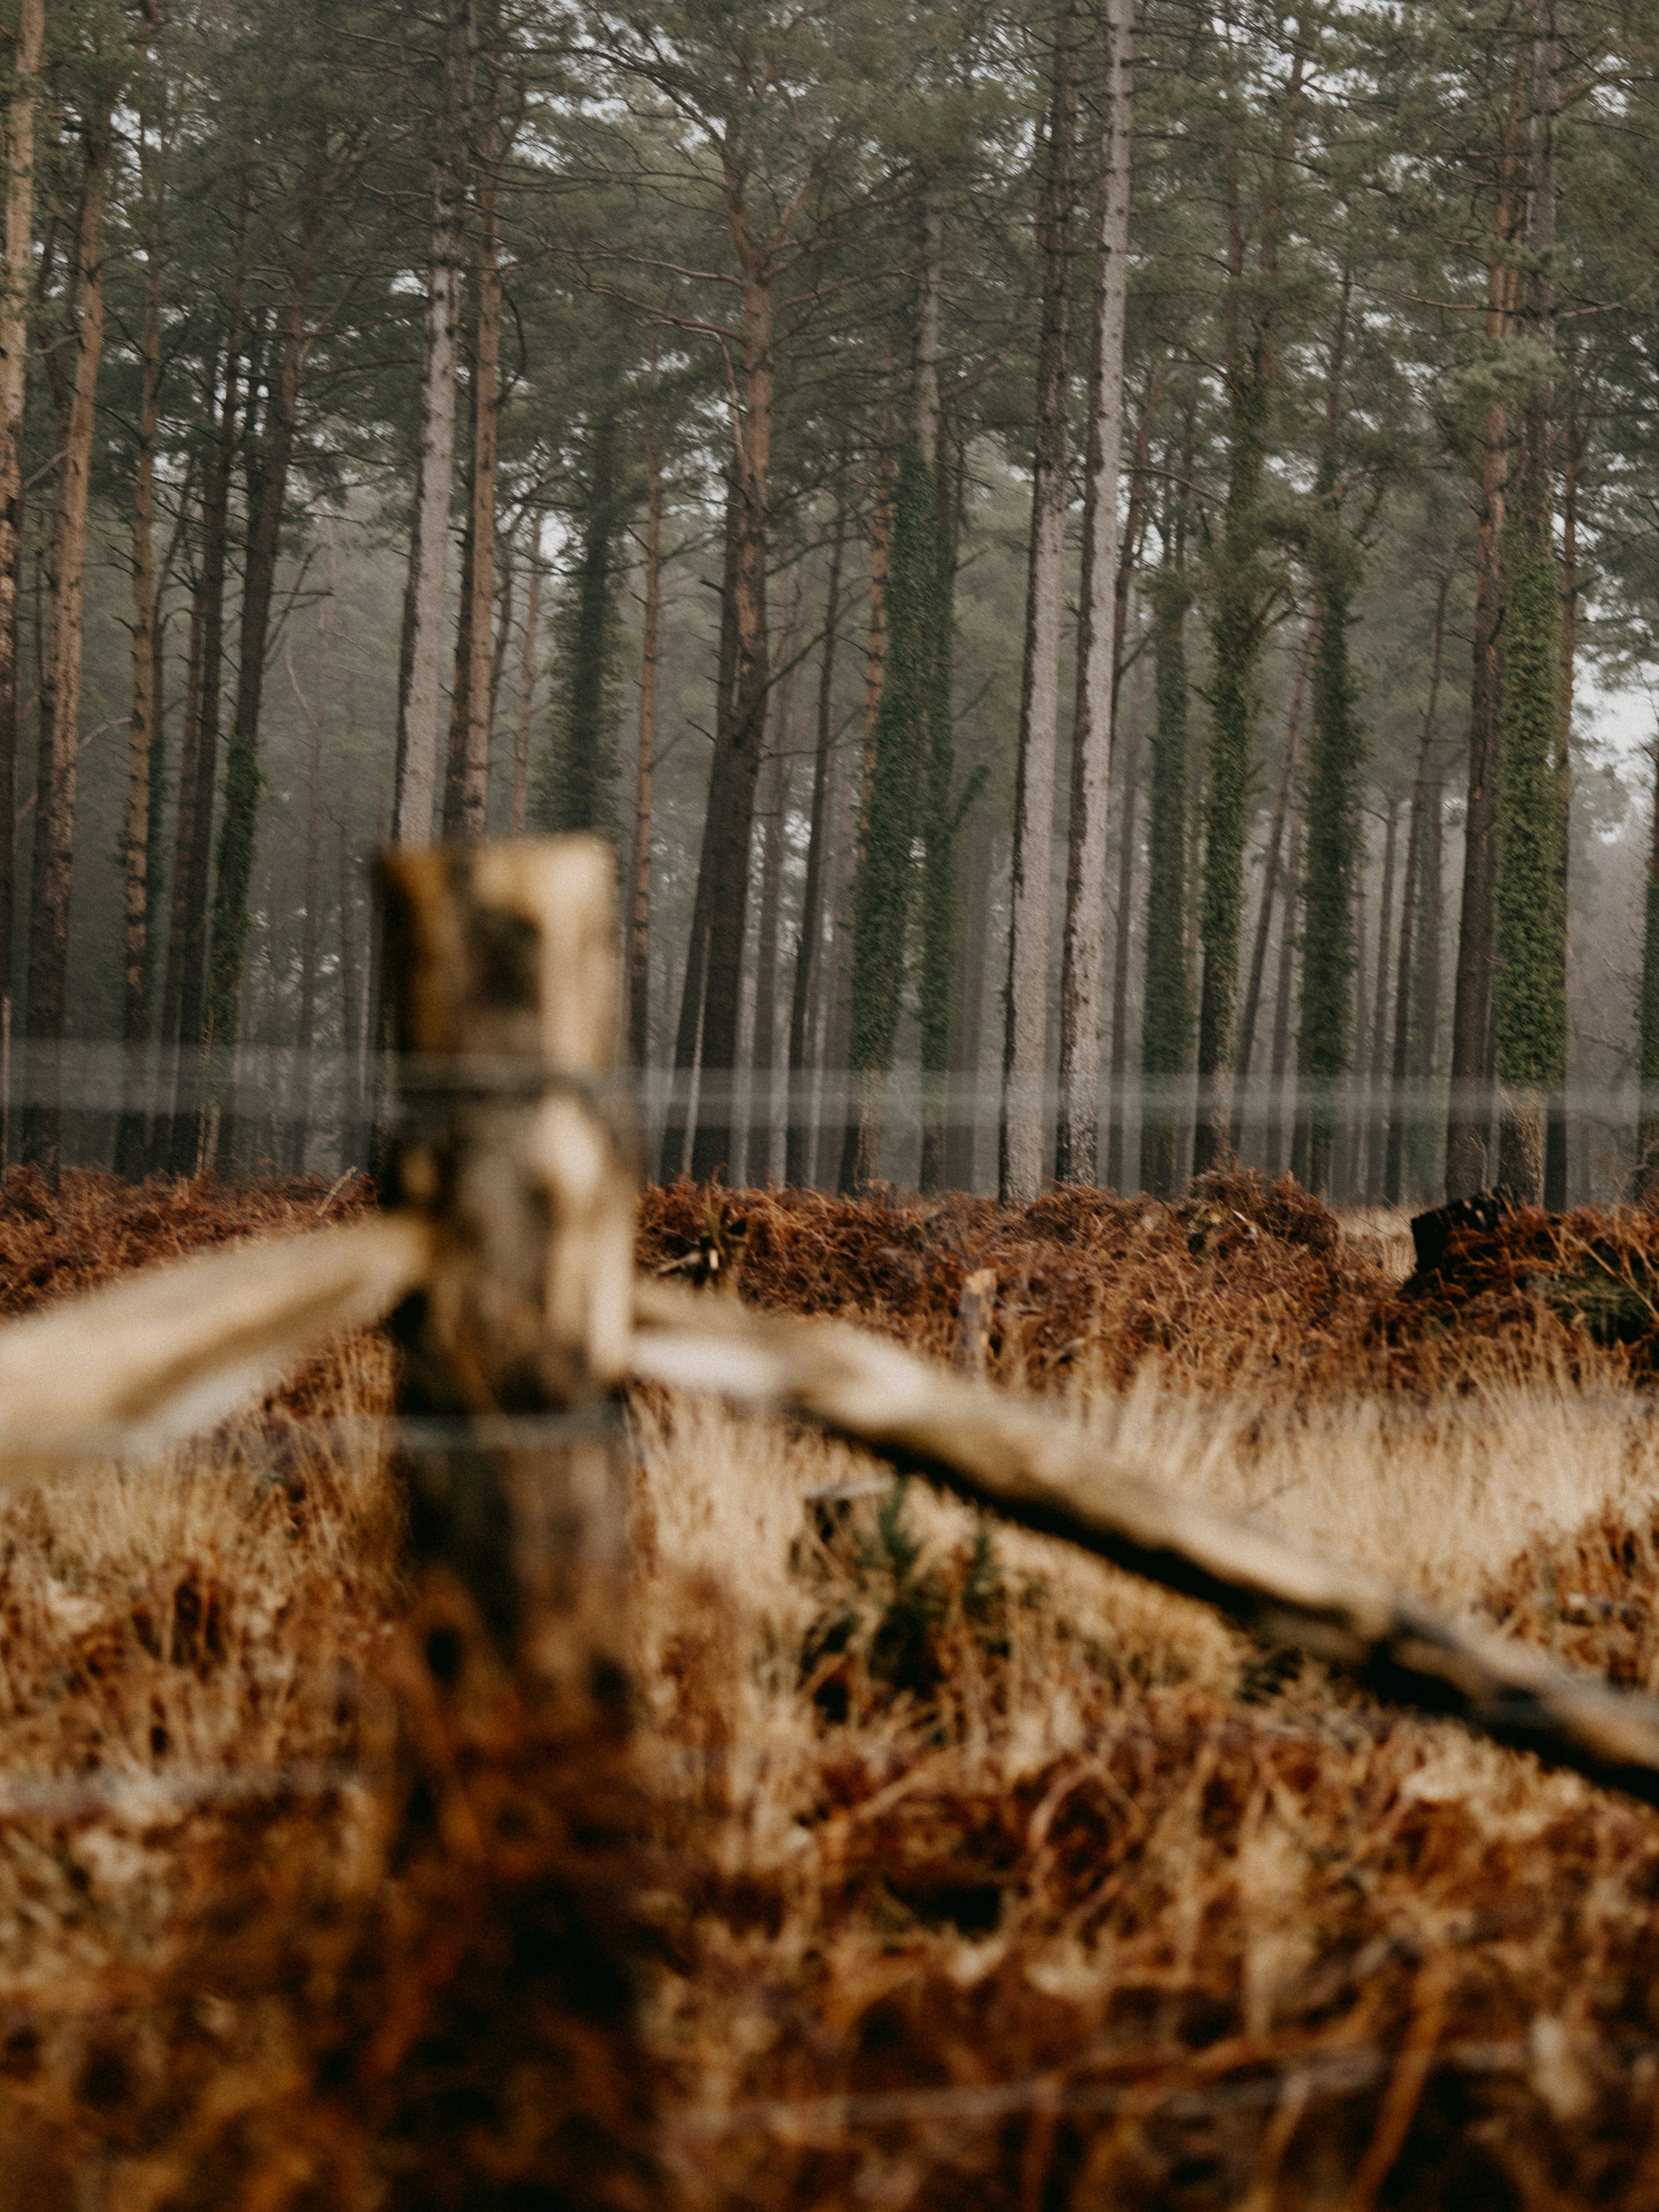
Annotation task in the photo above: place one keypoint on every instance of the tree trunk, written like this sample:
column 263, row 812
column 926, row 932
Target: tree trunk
column 860, row 1120
column 1394, row 1161
column 1252, row 366
column 1270, row 881
column 238, row 829
column 1468, row 1122
column 1529, row 1014
column 1117, row 1143
column 762, row 1090
column 810, row 950
column 310, row 936
column 676, row 1126
column 60, row 700
column 422, row 653
column 146, row 702
column 1083, row 959
column 968, row 1108
column 176, row 1138
column 1282, row 1088
column 739, row 738
column 1558, row 1129
column 1165, row 1017
column 1025, row 1057
column 1335, row 846
column 636, row 979
column 486, row 416
column 943, row 812
column 1646, row 1191
column 352, row 1101
column 527, row 692
column 1375, row 1115
column 14, row 357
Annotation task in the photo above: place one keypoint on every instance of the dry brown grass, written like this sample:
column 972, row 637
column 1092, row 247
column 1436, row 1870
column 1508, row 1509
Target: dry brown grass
column 968, row 1870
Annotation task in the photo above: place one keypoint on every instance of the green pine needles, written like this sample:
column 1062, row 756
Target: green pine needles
column 1166, row 1017
column 1336, row 757
column 1530, row 1008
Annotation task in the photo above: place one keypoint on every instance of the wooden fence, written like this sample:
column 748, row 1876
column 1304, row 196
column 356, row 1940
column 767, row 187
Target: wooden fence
column 502, row 1253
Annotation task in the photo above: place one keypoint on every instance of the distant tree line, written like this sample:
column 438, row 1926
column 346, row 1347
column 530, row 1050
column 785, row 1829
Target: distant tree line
column 995, row 514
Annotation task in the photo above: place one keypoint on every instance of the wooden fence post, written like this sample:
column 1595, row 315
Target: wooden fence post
column 502, row 962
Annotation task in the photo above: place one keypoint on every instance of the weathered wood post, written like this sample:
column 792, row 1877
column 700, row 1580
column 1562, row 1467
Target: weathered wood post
column 502, row 962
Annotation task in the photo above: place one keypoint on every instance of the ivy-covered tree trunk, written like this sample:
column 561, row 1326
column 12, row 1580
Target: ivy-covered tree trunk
column 1530, row 1005
column 1375, row 1118
column 1332, row 832
column 1647, row 1028
column 575, row 785
column 1402, row 1101
column 636, row 970
column 1469, row 1108
column 1282, row 1097
column 1165, row 1024
column 141, row 859
column 885, row 879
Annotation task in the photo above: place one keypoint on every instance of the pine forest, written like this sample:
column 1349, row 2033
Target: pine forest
column 1098, row 569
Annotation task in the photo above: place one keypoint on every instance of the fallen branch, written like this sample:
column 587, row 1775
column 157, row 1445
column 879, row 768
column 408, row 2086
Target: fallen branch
column 1050, row 1475
column 172, row 1350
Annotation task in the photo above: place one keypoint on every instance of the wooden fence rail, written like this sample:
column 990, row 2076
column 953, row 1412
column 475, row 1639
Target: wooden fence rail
column 504, row 1256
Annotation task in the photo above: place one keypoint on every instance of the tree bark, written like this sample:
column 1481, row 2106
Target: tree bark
column 1530, row 981
column 13, row 360
column 421, row 659
column 238, row 829
column 1282, row 1087
column 860, row 1142
column 135, row 1012
column 1117, row 1139
column 1558, row 1129
column 810, row 950
column 177, row 1134
column 1235, row 629
column 1270, row 884
column 676, row 1126
column 1024, row 1058
column 739, row 736
column 60, row 701
column 1468, row 1122
column 311, row 935
column 474, row 780
column 1394, row 1159
column 763, row 1090
column 1084, row 958
column 527, row 695
column 1374, row 1114
column 637, row 974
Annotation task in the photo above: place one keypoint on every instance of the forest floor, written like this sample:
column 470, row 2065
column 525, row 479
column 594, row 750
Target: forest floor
column 954, row 1867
